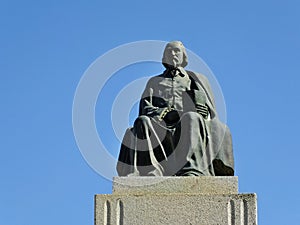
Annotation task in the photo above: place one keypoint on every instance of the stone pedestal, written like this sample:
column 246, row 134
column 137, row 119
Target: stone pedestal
column 175, row 200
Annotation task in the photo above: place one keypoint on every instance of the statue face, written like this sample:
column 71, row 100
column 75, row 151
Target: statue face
column 174, row 54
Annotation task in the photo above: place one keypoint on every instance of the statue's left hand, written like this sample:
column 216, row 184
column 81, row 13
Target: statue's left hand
column 202, row 109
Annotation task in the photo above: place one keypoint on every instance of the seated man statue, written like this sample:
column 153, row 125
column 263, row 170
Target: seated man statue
column 177, row 132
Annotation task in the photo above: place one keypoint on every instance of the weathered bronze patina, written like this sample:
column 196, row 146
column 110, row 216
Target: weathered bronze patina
column 177, row 132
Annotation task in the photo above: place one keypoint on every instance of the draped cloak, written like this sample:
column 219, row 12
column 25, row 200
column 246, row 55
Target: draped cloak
column 170, row 137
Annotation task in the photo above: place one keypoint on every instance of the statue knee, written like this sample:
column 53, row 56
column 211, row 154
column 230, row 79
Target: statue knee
column 190, row 116
column 142, row 119
column 141, row 125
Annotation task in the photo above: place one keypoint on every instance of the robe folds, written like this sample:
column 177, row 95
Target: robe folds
column 178, row 132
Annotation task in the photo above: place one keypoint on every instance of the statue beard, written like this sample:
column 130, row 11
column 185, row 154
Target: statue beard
column 174, row 64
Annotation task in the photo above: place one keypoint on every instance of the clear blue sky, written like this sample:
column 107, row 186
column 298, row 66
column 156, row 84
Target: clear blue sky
column 252, row 47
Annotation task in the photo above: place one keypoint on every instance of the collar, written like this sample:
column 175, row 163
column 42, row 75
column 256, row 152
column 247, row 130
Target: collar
column 173, row 72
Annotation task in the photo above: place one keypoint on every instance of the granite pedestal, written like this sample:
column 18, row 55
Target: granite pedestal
column 175, row 200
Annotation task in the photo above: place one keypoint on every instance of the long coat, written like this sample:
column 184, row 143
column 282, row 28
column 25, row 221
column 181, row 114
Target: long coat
column 177, row 131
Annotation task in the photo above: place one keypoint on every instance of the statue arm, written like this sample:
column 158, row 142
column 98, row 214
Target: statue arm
column 201, row 82
column 147, row 104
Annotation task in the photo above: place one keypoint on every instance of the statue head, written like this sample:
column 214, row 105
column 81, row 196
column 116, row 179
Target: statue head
column 174, row 55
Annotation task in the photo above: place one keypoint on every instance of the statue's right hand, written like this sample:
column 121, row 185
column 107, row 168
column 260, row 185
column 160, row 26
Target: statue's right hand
column 150, row 110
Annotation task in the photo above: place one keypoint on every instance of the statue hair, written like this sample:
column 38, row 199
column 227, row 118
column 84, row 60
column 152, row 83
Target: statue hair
column 185, row 58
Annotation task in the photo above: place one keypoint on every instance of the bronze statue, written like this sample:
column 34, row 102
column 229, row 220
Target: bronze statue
column 177, row 132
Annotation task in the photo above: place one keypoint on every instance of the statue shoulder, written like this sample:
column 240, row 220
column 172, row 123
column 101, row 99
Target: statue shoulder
column 200, row 78
column 154, row 79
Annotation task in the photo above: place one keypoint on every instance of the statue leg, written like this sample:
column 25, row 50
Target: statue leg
column 191, row 149
column 149, row 150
